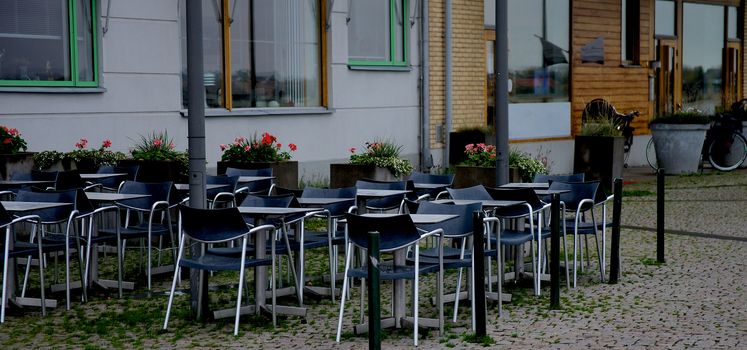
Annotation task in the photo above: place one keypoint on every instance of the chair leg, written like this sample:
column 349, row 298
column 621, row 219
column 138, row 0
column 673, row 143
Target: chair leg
column 456, row 299
column 345, row 281
column 5, row 274
column 171, row 299
column 238, row 298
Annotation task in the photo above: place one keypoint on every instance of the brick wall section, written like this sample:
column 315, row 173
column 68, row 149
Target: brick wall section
column 468, row 57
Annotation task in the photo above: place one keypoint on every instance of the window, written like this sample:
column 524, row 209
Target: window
column 376, row 33
column 664, row 21
column 702, row 46
column 538, row 44
column 259, row 54
column 630, row 31
column 44, row 43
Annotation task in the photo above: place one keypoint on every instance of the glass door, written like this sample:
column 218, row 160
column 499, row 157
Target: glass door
column 668, row 77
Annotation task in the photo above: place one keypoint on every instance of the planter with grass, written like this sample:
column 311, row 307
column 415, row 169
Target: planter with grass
column 678, row 140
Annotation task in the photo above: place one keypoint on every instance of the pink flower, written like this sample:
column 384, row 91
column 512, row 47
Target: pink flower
column 171, row 145
column 14, row 132
column 157, row 142
column 82, row 143
column 247, row 148
column 352, row 150
column 223, row 146
column 292, row 146
column 106, row 143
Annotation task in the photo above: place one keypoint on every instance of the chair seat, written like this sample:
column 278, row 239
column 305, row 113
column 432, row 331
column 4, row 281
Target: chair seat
column 515, row 237
column 140, row 230
column 219, row 263
column 394, row 272
column 21, row 249
column 584, row 228
column 449, row 253
column 451, row 263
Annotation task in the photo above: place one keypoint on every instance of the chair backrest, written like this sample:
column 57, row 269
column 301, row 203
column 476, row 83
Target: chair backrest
column 395, row 231
column 254, row 186
column 457, row 227
column 515, row 194
column 37, row 175
column 157, row 191
column 578, row 177
column 294, row 191
column 283, row 201
column 447, row 179
column 212, row 225
column 5, row 218
column 335, row 209
column 578, row 192
column 229, row 181
column 475, row 192
column 113, row 182
column 22, row 176
column 67, row 180
column 51, row 215
column 388, row 202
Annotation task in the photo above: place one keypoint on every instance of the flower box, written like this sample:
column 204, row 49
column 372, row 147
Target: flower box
column 345, row 175
column 468, row 176
column 285, row 172
column 156, row 170
column 17, row 163
column 599, row 158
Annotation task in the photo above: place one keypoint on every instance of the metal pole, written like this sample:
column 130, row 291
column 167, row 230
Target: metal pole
column 616, row 211
column 196, row 142
column 478, row 232
column 448, row 87
column 660, row 215
column 555, row 252
column 501, row 92
column 374, row 297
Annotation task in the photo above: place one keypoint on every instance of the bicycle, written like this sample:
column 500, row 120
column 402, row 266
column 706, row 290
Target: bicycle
column 601, row 107
column 725, row 146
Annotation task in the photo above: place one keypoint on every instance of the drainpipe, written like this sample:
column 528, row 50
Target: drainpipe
column 448, row 86
column 425, row 109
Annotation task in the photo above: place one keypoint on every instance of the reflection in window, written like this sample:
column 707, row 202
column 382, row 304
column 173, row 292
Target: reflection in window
column 664, row 21
column 703, row 41
column 732, row 25
column 274, row 58
column 36, row 45
column 538, row 39
column 376, row 32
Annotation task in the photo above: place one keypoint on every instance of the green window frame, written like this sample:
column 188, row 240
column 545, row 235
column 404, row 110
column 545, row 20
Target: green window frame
column 71, row 48
column 392, row 61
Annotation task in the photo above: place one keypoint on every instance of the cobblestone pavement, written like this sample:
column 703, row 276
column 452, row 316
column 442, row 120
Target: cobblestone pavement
column 697, row 299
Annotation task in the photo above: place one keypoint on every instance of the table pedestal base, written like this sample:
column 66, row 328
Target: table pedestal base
column 265, row 309
column 405, row 322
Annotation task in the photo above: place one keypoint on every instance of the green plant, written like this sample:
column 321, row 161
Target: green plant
column 527, row 165
column 45, row 159
column 252, row 150
column 681, row 117
column 480, row 154
column 159, row 147
column 100, row 156
column 600, row 127
column 382, row 153
column 11, row 141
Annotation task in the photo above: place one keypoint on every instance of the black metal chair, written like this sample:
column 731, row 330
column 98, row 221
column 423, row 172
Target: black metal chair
column 579, row 201
column 215, row 226
column 154, row 218
column 33, row 249
column 445, row 180
column 477, row 192
column 112, row 183
column 384, row 203
column 224, row 194
column 263, row 187
column 396, row 232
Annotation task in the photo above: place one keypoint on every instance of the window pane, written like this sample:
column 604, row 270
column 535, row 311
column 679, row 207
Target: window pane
column 212, row 46
column 34, row 40
column 84, row 40
column 664, row 24
column 703, row 40
column 368, row 30
column 400, row 23
column 624, row 30
column 275, row 54
column 733, row 33
column 538, row 40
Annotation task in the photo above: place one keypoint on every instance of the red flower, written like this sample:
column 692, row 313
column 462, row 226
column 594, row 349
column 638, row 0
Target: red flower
column 279, row 145
column 292, row 146
column 106, row 143
column 268, row 139
column 247, row 148
column 7, row 141
column 14, row 132
column 223, row 146
column 157, row 142
column 352, row 150
column 82, row 143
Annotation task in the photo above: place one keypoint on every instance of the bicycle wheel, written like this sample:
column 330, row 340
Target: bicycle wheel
column 651, row 155
column 727, row 152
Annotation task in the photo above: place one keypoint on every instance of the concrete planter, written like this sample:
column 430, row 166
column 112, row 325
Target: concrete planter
column 468, row 176
column 156, row 171
column 18, row 163
column 599, row 158
column 345, row 175
column 678, row 146
column 285, row 172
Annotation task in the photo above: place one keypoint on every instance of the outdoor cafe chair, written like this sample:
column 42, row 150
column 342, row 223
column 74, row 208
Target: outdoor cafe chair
column 458, row 254
column 221, row 195
column 112, row 184
column 445, row 180
column 263, row 187
column 477, row 192
column 64, row 239
column 576, row 177
column 215, row 226
column 32, row 249
column 332, row 213
column 384, row 203
column 153, row 218
column 579, row 201
column 396, row 232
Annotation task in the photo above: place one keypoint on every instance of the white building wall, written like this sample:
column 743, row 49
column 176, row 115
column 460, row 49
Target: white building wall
column 140, row 64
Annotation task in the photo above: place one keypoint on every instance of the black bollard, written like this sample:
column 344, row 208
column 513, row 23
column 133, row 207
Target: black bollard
column 555, row 252
column 374, row 300
column 479, row 263
column 616, row 212
column 660, row 216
